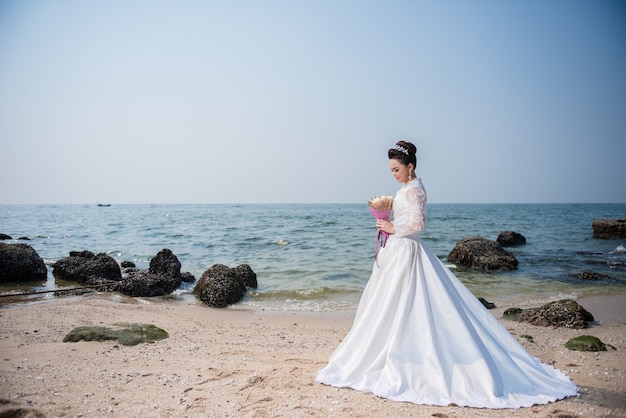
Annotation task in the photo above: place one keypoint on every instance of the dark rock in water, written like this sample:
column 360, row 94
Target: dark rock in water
column 187, row 277
column 589, row 252
column 591, row 276
column 165, row 263
column 21, row 263
column 483, row 254
column 487, row 304
column 587, row 343
column 246, row 275
column 84, row 254
column 87, row 268
column 221, row 286
column 563, row 313
column 128, row 268
column 23, row 239
column 142, row 283
column 162, row 278
column 609, row 228
column 510, row 239
column 127, row 264
column 5, row 237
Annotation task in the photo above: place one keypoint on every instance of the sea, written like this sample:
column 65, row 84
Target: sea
column 318, row 257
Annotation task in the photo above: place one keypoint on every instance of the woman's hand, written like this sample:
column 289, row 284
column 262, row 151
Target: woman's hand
column 385, row 226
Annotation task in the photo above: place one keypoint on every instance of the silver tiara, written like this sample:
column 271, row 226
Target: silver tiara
column 401, row 149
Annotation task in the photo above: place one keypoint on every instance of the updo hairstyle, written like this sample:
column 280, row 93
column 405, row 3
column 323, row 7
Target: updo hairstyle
column 398, row 153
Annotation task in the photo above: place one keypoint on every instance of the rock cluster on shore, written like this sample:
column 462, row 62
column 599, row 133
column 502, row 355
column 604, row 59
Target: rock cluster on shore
column 219, row 286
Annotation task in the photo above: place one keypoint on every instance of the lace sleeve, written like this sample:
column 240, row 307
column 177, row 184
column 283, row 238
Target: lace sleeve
column 416, row 198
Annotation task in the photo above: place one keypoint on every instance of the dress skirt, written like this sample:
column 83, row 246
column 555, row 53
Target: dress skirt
column 419, row 335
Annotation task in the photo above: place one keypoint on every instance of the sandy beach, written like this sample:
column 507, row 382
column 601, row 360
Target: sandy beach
column 234, row 363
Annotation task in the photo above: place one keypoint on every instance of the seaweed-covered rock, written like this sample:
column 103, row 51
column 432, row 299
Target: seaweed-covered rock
column 510, row 239
column 124, row 333
column 587, row 343
column 87, row 268
column 563, row 313
column 21, row 263
column 221, row 286
column 591, row 276
column 609, row 228
column 483, row 254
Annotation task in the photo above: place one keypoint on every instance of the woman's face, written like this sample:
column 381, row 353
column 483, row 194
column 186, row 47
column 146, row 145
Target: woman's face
column 400, row 171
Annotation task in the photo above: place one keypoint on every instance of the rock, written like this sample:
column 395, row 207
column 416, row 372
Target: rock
column 165, row 263
column 162, row 277
column 84, row 254
column 87, row 268
column 563, row 313
column 142, row 283
column 512, row 313
column 483, row 254
column 187, row 277
column 12, row 409
column 591, row 276
column 609, row 228
column 510, row 239
column 487, row 304
column 221, row 286
column 246, row 275
column 21, row 263
column 127, row 265
column 125, row 333
column 586, row 343
column 5, row 237
column 128, row 268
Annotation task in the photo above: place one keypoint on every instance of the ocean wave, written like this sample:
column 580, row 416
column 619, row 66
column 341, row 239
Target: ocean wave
column 619, row 250
column 300, row 294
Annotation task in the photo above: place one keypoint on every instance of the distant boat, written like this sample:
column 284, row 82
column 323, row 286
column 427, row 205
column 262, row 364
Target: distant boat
column 104, row 205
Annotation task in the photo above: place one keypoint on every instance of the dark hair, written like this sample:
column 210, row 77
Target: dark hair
column 397, row 153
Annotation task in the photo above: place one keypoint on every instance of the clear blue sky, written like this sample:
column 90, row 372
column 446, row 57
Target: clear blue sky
column 298, row 101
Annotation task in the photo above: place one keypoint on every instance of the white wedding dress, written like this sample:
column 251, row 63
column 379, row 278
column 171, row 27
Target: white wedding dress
column 420, row 336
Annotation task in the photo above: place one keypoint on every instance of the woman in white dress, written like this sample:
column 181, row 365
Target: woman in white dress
column 419, row 335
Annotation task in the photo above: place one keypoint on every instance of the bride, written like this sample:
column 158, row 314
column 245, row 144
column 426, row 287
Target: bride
column 419, row 335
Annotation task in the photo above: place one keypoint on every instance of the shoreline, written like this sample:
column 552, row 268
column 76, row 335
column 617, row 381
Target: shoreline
column 522, row 300
column 234, row 362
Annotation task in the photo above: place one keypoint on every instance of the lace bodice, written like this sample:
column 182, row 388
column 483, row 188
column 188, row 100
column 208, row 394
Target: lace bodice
column 409, row 209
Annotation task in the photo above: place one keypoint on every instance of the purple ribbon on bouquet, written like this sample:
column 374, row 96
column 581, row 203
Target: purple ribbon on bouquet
column 381, row 240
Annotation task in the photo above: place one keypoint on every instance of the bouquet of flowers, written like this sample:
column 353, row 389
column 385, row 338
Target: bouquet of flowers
column 380, row 208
